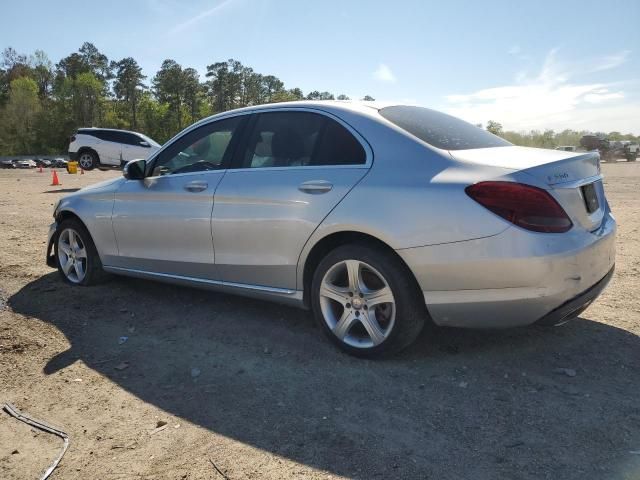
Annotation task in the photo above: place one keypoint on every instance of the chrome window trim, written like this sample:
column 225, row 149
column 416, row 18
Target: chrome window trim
column 276, row 108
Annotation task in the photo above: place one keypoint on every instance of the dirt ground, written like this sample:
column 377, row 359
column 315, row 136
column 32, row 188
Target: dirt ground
column 255, row 388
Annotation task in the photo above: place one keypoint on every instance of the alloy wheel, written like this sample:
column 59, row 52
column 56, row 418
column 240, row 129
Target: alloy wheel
column 357, row 304
column 86, row 160
column 72, row 255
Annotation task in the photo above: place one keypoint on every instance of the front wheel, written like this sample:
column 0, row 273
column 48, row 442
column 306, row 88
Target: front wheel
column 76, row 255
column 88, row 160
column 366, row 301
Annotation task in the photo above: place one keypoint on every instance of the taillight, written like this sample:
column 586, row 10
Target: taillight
column 523, row 205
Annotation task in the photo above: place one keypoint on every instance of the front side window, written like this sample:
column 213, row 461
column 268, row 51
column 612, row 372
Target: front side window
column 441, row 130
column 206, row 148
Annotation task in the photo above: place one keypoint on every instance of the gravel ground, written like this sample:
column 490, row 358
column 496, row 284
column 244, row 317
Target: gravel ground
column 255, row 389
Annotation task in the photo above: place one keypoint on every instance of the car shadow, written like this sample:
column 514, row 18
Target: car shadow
column 522, row 403
column 62, row 190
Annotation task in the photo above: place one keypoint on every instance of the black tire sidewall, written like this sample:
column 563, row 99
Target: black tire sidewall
column 410, row 308
column 94, row 270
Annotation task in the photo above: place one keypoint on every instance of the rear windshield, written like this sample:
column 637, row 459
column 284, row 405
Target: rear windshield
column 441, row 130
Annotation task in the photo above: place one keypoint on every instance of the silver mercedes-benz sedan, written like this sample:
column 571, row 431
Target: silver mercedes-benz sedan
column 377, row 218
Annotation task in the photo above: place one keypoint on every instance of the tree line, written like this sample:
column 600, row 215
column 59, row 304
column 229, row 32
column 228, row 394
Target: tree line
column 42, row 103
column 550, row 138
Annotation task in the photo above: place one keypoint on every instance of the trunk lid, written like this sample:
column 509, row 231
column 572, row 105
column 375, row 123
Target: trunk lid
column 573, row 178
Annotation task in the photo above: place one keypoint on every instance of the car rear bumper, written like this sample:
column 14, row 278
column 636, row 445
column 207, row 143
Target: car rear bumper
column 514, row 278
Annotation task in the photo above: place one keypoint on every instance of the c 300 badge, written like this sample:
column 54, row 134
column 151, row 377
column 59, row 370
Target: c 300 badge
column 558, row 177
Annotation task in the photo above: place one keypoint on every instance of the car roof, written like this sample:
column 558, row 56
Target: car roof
column 95, row 129
column 330, row 106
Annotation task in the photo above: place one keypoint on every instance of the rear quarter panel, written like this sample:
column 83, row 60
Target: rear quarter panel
column 412, row 196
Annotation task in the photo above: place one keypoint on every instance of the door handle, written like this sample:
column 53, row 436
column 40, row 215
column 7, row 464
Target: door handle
column 315, row 186
column 196, row 186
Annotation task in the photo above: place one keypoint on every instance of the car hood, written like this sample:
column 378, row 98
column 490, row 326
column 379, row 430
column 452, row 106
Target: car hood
column 108, row 185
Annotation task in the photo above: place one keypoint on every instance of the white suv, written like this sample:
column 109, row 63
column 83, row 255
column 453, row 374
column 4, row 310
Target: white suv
column 105, row 147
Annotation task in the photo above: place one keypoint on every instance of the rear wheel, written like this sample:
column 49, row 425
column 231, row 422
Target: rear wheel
column 367, row 301
column 76, row 255
column 88, row 160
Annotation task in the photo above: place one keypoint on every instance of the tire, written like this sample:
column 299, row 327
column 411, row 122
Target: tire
column 348, row 314
column 80, row 250
column 88, row 160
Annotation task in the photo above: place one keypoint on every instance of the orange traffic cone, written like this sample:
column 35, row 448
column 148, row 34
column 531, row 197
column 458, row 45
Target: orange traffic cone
column 55, row 179
column 40, row 169
column 81, row 171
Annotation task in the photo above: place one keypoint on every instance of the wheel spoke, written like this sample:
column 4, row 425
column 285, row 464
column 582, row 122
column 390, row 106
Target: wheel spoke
column 376, row 297
column 370, row 324
column 73, row 240
column 65, row 247
column 79, row 270
column 344, row 324
column 67, row 265
column 334, row 293
column 353, row 271
column 81, row 253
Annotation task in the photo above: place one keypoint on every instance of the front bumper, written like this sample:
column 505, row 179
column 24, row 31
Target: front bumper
column 514, row 278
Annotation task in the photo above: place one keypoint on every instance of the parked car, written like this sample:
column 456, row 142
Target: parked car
column 59, row 163
column 8, row 164
column 26, row 164
column 43, row 162
column 104, row 147
column 376, row 218
column 610, row 150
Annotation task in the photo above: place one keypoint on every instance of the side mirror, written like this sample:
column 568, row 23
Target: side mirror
column 134, row 169
column 145, row 144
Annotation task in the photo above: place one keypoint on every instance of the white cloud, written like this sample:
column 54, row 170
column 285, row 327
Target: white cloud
column 612, row 61
column 384, row 74
column 200, row 16
column 554, row 98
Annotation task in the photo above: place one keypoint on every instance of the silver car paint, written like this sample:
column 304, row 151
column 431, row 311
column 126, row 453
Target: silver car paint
column 469, row 262
column 163, row 224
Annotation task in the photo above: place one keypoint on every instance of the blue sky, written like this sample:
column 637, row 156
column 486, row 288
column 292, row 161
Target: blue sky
column 555, row 64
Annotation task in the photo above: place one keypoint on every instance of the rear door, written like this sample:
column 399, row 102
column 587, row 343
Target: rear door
column 163, row 223
column 291, row 170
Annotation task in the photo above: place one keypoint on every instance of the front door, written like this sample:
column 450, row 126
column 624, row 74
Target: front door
column 134, row 147
column 163, row 223
column 292, row 169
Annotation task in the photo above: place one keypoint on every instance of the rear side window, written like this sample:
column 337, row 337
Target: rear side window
column 299, row 139
column 338, row 147
column 441, row 130
column 106, row 135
